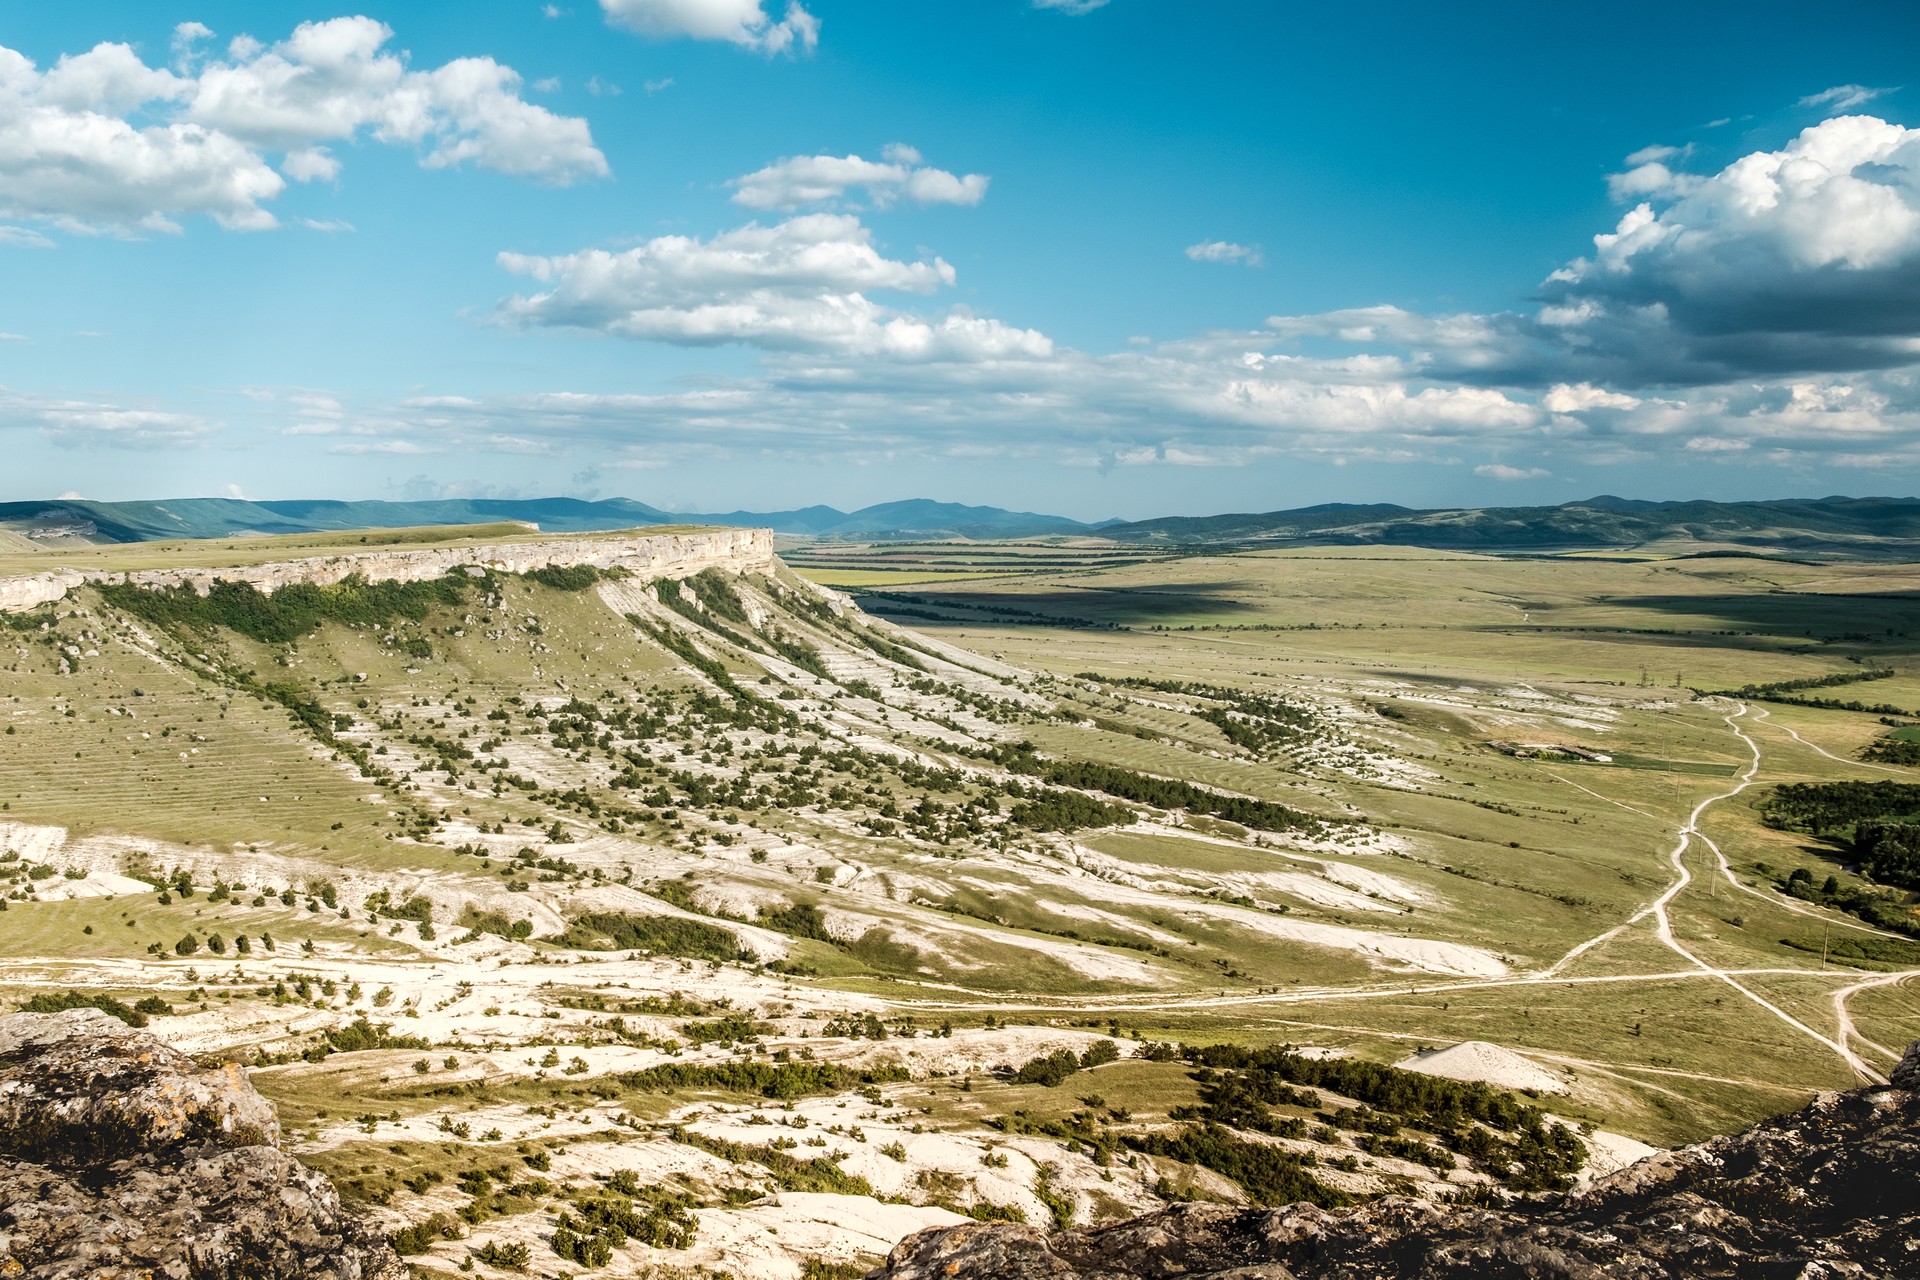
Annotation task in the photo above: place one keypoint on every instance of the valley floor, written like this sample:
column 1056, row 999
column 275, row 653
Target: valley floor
column 583, row 923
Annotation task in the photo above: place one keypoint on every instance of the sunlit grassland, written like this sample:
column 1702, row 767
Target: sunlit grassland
column 1713, row 622
column 1414, row 665
column 1407, row 629
column 123, row 927
column 1668, row 1060
column 1892, row 1012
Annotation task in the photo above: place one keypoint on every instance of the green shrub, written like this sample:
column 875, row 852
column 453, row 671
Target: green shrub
column 132, row 1015
column 665, row 935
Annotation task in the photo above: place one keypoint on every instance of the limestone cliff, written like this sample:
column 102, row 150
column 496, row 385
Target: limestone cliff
column 1830, row 1191
column 650, row 555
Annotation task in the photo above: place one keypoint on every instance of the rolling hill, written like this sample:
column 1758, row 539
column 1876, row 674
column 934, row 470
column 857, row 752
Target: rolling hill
column 1819, row 526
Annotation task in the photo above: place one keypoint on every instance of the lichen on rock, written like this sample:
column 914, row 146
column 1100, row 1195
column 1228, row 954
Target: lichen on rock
column 123, row 1159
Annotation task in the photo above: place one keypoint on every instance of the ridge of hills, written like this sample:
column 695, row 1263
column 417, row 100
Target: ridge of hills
column 1825, row 525
column 85, row 520
column 1835, row 525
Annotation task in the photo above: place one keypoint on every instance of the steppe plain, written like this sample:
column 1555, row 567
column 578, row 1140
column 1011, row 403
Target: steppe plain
column 596, row 924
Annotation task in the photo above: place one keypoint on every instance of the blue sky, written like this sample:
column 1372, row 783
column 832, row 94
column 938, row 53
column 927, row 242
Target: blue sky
column 1130, row 258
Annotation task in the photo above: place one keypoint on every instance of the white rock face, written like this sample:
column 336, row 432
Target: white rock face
column 647, row 555
column 17, row 595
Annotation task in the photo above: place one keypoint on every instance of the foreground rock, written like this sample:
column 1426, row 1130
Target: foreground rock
column 1827, row 1192
column 122, row 1159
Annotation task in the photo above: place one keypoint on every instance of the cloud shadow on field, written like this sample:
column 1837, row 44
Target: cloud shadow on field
column 1802, row 614
column 1086, row 606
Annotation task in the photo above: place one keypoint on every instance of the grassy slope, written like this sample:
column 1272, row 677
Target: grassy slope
column 1519, row 857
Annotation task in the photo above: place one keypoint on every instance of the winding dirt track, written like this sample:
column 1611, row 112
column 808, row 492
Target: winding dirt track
column 1839, row 1044
column 1694, row 968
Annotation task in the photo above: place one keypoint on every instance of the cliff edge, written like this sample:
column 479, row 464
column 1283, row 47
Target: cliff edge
column 647, row 555
column 123, row 1159
column 1829, row 1191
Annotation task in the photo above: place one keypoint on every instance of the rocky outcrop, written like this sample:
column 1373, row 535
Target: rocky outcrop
column 1830, row 1191
column 123, row 1159
column 652, row 555
column 30, row 590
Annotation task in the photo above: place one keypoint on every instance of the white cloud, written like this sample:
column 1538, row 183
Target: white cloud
column 331, row 79
column 1843, row 97
column 1074, row 7
column 187, row 37
column 80, row 424
column 1226, row 251
column 801, row 284
column 1803, row 258
column 1650, row 172
column 1649, row 179
column 403, row 448
column 310, row 164
column 742, row 22
column 1500, row 471
column 101, row 141
column 23, row 238
column 797, row 181
column 1579, row 397
column 547, row 84
column 13, row 337
column 1657, row 152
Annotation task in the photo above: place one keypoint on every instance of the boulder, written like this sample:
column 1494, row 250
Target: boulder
column 1829, row 1191
column 124, row 1159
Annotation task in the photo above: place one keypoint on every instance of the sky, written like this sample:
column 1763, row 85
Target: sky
column 1091, row 257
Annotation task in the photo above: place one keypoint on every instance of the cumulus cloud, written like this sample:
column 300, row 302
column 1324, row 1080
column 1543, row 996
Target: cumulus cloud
column 1580, row 397
column 1500, row 471
column 1075, row 7
column 742, row 22
column 1226, row 251
column 1799, row 261
column 795, row 182
column 1806, row 257
column 310, row 164
column 101, row 141
column 330, row 80
column 1649, row 173
column 801, row 284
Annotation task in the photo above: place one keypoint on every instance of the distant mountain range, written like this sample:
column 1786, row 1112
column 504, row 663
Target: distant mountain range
column 1878, row 526
column 1836, row 525
column 226, row 517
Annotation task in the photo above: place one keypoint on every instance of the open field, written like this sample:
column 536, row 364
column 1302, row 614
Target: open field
column 721, row 898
